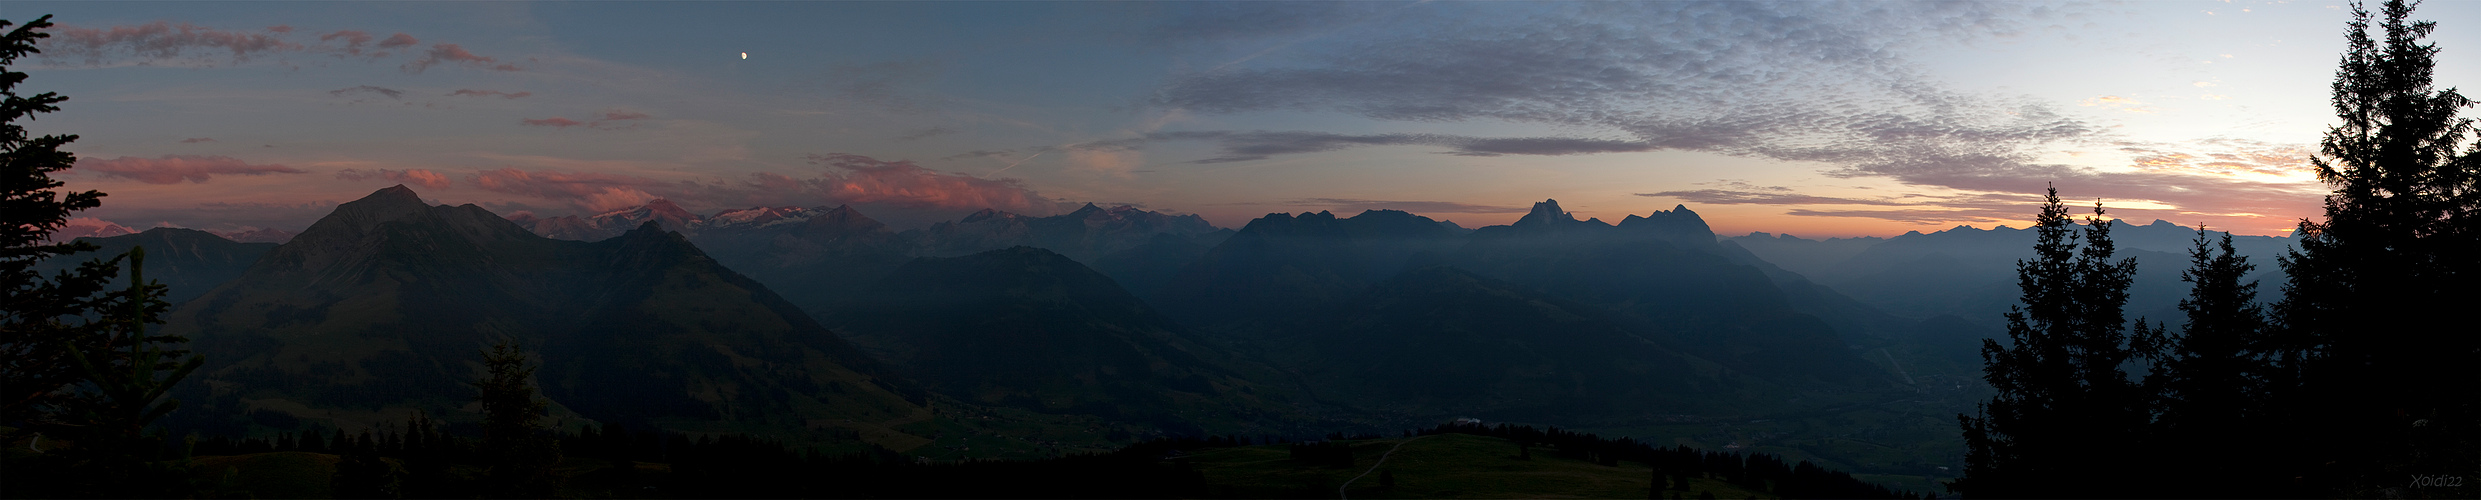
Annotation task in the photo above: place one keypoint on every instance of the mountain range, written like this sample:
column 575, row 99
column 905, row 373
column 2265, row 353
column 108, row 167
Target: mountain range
column 1392, row 311
column 381, row 307
column 823, row 325
column 187, row 261
column 818, row 257
column 1969, row 272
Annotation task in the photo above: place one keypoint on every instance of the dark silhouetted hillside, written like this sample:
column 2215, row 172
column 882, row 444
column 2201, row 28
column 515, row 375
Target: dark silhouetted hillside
column 380, row 308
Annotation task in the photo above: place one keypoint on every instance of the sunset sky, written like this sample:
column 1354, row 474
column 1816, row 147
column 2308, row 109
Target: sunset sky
column 1809, row 118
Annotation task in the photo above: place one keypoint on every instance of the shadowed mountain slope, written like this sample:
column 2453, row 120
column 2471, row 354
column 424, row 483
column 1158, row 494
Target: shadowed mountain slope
column 1281, row 267
column 1442, row 340
column 381, row 306
column 1970, row 273
column 1028, row 328
column 188, row 262
column 1396, row 312
column 1666, row 269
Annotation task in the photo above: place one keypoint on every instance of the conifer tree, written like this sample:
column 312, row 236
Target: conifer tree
column 38, row 313
column 2209, row 386
column 77, row 360
column 517, row 447
column 2378, row 321
column 2064, row 409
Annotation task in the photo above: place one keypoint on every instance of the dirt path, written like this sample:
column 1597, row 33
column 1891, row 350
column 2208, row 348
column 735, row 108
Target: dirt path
column 1382, row 460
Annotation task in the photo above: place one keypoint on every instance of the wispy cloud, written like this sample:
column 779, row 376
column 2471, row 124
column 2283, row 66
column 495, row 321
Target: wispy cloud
column 172, row 169
column 165, row 42
column 1418, row 207
column 195, row 140
column 1240, row 146
column 591, row 190
column 925, row 133
column 857, row 179
column 979, row 153
column 452, row 54
column 489, row 93
column 415, row 176
column 363, row 91
column 159, row 41
column 617, row 119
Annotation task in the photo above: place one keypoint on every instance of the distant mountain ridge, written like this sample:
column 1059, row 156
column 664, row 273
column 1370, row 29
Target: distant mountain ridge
column 379, row 308
column 821, row 257
column 188, row 262
column 1327, row 295
column 1029, row 328
column 1970, row 272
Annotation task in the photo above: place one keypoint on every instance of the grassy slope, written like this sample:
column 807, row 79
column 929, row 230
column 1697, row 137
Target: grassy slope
column 1440, row 466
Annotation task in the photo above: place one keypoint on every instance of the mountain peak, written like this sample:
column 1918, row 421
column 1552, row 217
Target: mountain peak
column 396, row 192
column 1546, row 212
column 1086, row 211
column 380, row 206
column 663, row 207
column 986, row 214
column 1678, row 223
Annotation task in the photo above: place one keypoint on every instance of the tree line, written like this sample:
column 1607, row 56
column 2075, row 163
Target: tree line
column 2360, row 379
column 1675, row 465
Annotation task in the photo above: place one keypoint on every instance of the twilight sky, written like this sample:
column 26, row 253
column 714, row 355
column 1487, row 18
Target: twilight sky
column 1809, row 118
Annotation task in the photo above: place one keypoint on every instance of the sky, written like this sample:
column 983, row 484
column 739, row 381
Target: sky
column 1820, row 119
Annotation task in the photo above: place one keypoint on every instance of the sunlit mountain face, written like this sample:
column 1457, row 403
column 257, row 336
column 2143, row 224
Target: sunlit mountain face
column 1730, row 249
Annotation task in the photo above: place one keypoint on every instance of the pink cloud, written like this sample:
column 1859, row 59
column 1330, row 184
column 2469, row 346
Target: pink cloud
column 354, row 40
column 280, row 28
column 592, row 190
column 88, row 227
column 611, row 120
column 400, row 40
column 195, row 140
column 449, row 53
column 556, row 122
column 857, row 179
column 489, row 93
column 171, row 169
column 414, row 176
column 157, row 41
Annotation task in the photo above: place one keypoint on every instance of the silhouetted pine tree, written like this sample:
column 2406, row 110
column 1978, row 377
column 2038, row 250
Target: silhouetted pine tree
column 2210, row 384
column 2065, row 414
column 78, row 363
column 2380, row 315
column 517, row 448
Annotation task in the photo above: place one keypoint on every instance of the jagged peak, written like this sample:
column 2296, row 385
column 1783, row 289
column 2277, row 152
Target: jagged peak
column 1382, row 213
column 986, row 214
column 1086, row 211
column 1546, row 212
column 1678, row 222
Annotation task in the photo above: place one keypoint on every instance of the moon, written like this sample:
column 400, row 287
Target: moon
column 744, row 55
